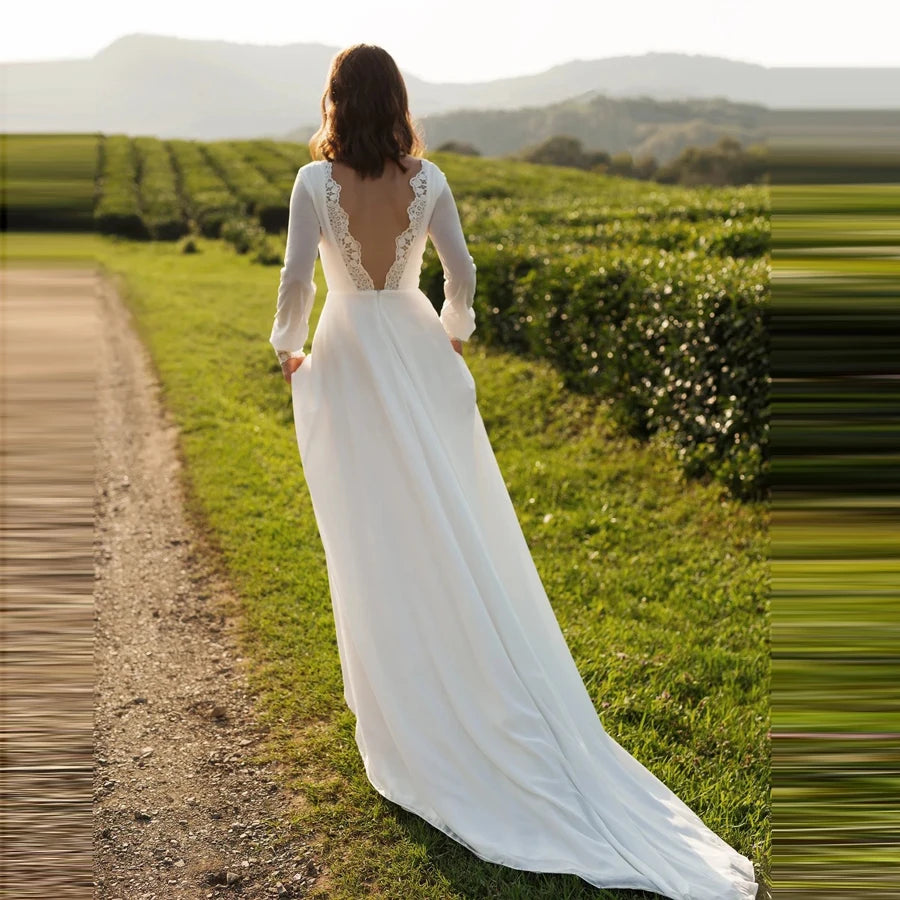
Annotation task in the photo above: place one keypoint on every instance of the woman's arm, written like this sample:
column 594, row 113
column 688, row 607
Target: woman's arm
column 296, row 287
column 457, row 315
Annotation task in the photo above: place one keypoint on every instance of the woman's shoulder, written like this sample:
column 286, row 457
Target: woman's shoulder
column 315, row 165
column 312, row 175
column 435, row 173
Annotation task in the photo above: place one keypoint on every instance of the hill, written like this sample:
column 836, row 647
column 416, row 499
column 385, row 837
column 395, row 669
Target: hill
column 641, row 126
column 206, row 89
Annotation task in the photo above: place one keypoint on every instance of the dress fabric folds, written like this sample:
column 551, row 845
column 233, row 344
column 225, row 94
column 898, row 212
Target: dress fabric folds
column 470, row 711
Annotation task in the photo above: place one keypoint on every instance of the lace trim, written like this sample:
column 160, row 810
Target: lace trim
column 340, row 225
column 350, row 247
column 404, row 241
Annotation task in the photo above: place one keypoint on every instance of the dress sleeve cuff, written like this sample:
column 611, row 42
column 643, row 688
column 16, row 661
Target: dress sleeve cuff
column 284, row 355
column 457, row 323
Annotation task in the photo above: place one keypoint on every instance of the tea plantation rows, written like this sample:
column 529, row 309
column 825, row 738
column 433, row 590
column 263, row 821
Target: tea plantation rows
column 655, row 296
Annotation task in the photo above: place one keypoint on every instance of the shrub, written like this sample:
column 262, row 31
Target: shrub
column 208, row 199
column 159, row 199
column 245, row 180
column 242, row 233
column 118, row 210
column 678, row 340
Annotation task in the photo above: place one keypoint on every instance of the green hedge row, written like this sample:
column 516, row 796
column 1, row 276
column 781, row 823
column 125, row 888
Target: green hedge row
column 266, row 156
column 594, row 205
column 118, row 208
column 159, row 200
column 208, row 198
column 294, row 155
column 678, row 340
column 263, row 200
column 745, row 237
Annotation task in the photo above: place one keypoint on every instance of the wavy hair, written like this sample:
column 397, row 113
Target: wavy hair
column 365, row 113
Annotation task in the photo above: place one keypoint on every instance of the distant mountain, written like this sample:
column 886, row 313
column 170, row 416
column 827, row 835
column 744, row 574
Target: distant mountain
column 642, row 126
column 175, row 87
column 170, row 87
column 679, row 76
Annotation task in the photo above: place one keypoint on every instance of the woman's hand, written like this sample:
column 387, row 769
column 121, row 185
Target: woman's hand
column 290, row 365
column 456, row 343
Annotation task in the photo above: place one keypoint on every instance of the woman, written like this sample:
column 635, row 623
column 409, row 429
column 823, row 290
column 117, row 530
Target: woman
column 470, row 711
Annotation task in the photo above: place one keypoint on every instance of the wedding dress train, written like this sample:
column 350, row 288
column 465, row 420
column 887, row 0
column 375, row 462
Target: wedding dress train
column 470, row 711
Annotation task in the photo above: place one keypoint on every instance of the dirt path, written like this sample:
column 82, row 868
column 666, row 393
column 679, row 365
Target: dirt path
column 182, row 809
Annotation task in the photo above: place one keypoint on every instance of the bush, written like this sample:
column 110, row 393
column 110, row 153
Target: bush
column 269, row 251
column 160, row 203
column 118, row 210
column 460, row 148
column 242, row 233
column 245, row 180
column 678, row 340
column 209, row 200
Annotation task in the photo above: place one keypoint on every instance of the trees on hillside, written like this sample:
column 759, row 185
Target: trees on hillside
column 726, row 162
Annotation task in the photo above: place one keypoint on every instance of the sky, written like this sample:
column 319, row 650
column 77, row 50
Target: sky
column 474, row 40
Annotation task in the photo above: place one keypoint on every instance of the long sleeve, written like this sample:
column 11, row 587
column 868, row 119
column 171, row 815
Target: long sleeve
column 296, row 288
column 457, row 315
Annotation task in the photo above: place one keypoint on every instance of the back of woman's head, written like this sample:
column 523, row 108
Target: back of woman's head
column 365, row 113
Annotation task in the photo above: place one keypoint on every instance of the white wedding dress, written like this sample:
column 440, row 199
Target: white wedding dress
column 470, row 711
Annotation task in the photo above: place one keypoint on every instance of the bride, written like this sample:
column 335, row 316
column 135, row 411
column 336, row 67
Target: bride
column 470, row 711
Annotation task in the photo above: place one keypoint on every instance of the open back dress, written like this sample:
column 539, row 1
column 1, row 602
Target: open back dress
column 470, row 711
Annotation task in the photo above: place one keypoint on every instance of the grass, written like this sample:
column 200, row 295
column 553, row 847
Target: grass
column 660, row 585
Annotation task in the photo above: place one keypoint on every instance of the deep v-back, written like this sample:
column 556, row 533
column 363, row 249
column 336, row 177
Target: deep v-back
column 351, row 247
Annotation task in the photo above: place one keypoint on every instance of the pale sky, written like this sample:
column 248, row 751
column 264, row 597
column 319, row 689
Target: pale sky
column 473, row 40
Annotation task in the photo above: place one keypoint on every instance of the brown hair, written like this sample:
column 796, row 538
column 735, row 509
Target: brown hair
column 365, row 113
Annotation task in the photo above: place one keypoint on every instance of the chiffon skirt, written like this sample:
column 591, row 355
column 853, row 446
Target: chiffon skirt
column 470, row 711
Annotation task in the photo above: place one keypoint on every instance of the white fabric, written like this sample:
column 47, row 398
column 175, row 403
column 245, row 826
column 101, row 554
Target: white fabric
column 470, row 711
column 297, row 290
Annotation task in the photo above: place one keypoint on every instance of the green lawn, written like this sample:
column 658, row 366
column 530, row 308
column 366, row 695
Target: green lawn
column 660, row 585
